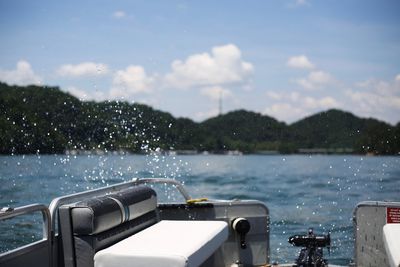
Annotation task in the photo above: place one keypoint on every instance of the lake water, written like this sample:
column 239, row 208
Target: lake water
column 300, row 191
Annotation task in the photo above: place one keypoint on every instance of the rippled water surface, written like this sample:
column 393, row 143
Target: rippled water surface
column 300, row 191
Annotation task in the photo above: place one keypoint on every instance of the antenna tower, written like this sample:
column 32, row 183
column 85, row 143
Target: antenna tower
column 220, row 102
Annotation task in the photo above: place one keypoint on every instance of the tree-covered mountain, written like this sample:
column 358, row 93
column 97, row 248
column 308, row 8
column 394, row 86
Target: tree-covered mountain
column 46, row 120
column 39, row 119
column 245, row 131
column 335, row 129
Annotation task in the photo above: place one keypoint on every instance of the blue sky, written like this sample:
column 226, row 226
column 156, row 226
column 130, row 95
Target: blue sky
column 287, row 59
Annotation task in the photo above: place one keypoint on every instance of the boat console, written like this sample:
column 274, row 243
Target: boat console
column 126, row 225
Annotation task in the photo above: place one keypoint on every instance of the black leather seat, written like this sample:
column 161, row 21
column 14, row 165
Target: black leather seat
column 96, row 223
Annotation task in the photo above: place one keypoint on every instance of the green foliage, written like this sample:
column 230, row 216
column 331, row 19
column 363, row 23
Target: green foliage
column 335, row 130
column 36, row 119
column 379, row 138
column 245, row 126
column 330, row 129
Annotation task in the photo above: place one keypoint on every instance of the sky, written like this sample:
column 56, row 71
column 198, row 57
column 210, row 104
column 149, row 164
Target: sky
column 287, row 59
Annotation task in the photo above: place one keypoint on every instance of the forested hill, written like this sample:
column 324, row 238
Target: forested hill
column 37, row 119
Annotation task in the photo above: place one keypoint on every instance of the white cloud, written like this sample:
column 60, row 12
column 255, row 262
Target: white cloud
column 83, row 69
column 291, row 106
column 320, row 77
column 131, row 81
column 364, row 101
column 274, row 95
column 216, row 92
column 316, row 80
column 205, row 72
column 329, row 102
column 305, row 83
column 22, row 75
column 364, row 84
column 304, row 101
column 84, row 95
column 294, row 96
column 247, row 88
column 119, row 14
column 374, row 96
column 285, row 111
column 223, row 66
column 320, row 103
column 300, row 62
column 206, row 114
column 373, row 104
column 397, row 79
column 81, row 94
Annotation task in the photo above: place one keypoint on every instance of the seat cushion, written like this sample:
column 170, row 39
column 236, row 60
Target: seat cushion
column 167, row 244
column 98, row 214
column 391, row 239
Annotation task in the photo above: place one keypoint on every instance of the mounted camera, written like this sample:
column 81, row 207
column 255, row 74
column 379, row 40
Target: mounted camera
column 311, row 255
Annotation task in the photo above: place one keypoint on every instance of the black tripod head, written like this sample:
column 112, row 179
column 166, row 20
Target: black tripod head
column 311, row 255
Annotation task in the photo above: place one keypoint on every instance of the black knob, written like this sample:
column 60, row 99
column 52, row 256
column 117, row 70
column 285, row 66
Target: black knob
column 242, row 227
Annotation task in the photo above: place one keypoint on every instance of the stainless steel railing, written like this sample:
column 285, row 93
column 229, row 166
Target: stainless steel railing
column 8, row 213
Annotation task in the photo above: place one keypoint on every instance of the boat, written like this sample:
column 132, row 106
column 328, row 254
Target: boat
column 126, row 225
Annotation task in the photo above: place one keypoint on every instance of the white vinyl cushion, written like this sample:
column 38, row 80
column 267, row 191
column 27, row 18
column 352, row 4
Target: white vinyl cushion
column 167, row 244
column 391, row 239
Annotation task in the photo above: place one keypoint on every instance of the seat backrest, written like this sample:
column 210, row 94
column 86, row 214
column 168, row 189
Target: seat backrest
column 93, row 224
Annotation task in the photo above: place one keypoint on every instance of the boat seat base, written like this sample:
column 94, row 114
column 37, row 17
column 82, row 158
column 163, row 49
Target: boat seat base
column 166, row 243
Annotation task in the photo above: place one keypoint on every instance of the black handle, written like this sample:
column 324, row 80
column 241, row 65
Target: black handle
column 242, row 227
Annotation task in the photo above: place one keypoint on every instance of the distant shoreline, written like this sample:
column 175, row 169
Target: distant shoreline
column 46, row 120
column 305, row 152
